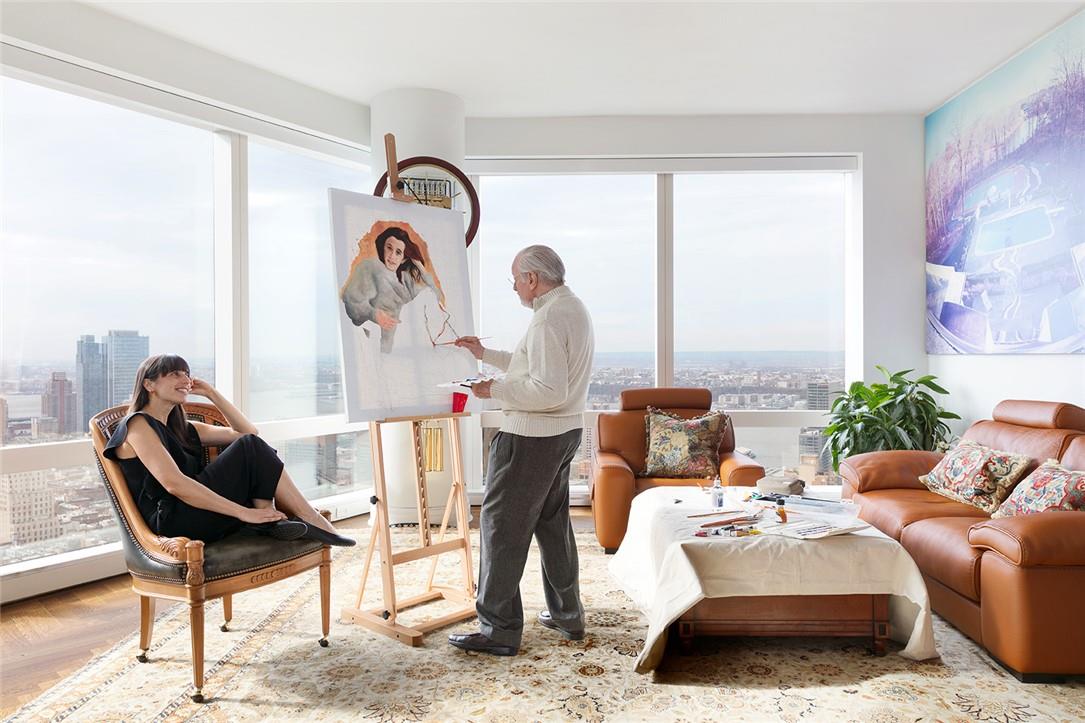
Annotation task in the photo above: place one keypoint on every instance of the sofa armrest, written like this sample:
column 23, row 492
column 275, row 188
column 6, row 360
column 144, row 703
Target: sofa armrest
column 889, row 469
column 738, row 470
column 1037, row 540
column 612, row 490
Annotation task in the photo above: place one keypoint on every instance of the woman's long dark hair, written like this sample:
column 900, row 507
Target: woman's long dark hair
column 152, row 368
column 411, row 252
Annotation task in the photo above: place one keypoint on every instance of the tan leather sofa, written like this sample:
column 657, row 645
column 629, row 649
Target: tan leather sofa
column 1014, row 585
column 621, row 446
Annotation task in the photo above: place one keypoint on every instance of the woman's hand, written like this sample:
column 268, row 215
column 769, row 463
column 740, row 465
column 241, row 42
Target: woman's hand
column 471, row 344
column 203, row 388
column 254, row 516
column 384, row 320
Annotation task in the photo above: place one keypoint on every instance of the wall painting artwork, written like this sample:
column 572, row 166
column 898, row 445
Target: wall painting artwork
column 404, row 296
column 1005, row 171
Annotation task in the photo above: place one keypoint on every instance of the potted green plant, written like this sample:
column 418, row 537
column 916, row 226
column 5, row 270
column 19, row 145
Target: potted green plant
column 898, row 414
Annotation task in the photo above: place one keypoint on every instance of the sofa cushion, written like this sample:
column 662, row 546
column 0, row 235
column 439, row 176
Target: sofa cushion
column 941, row 549
column 1074, row 457
column 1050, row 487
column 977, row 475
column 893, row 510
column 679, row 447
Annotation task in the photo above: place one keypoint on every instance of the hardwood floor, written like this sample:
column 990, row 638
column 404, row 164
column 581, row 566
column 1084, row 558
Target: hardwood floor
column 46, row 638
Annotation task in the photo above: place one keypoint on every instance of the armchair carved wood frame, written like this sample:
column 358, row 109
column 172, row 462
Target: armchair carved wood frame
column 184, row 570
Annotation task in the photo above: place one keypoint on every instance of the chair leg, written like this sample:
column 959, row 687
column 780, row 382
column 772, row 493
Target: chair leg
column 227, row 612
column 146, row 626
column 325, row 595
column 195, row 619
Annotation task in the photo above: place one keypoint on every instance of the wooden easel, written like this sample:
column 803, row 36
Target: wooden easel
column 383, row 619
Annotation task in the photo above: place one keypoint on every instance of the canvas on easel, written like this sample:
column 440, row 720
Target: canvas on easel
column 401, row 271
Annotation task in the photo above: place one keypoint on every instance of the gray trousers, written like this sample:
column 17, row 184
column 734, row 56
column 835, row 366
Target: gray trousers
column 527, row 492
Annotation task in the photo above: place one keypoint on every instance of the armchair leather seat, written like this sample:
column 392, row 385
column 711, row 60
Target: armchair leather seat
column 940, row 548
column 242, row 552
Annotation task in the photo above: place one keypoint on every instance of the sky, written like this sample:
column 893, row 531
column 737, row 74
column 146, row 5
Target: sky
column 108, row 224
column 1031, row 70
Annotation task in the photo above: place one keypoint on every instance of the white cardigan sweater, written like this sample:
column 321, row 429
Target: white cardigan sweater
column 545, row 388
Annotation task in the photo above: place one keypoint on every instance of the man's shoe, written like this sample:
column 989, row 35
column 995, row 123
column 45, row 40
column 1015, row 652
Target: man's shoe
column 280, row 530
column 548, row 622
column 481, row 644
column 328, row 538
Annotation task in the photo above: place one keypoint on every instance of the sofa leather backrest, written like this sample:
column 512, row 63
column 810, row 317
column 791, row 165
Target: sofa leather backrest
column 1042, row 430
column 623, row 432
column 1074, row 456
column 1042, row 415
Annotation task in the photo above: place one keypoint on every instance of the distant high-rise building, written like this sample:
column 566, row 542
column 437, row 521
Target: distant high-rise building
column 812, row 444
column 817, row 395
column 27, row 509
column 124, row 352
column 92, row 390
column 59, row 402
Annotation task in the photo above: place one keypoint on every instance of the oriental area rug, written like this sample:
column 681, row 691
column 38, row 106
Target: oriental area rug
column 270, row 667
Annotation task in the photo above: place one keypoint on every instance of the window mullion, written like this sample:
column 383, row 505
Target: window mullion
column 232, row 268
column 664, row 279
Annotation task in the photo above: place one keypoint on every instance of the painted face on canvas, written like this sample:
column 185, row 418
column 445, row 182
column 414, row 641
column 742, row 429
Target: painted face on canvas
column 393, row 253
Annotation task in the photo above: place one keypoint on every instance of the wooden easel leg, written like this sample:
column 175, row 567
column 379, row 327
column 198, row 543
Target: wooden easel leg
column 421, row 493
column 388, row 581
column 368, row 560
column 146, row 626
column 463, row 512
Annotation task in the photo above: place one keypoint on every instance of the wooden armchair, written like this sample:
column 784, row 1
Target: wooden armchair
column 180, row 569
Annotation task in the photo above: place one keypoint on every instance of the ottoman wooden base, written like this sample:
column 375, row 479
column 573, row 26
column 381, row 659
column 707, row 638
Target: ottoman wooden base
column 849, row 616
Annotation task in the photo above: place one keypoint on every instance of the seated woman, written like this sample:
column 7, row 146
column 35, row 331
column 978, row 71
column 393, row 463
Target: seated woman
column 161, row 455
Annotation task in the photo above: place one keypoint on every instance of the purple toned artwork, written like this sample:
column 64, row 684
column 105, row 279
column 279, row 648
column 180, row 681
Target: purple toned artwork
column 1005, row 168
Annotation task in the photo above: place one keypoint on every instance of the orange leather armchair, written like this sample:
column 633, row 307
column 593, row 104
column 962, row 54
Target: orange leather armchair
column 621, row 446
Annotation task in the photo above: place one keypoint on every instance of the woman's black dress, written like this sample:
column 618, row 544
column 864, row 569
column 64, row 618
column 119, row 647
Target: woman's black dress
column 247, row 469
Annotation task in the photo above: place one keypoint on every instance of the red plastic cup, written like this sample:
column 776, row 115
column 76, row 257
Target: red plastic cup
column 459, row 401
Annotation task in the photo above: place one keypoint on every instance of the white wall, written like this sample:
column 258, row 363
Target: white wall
column 979, row 382
column 891, row 283
column 106, row 42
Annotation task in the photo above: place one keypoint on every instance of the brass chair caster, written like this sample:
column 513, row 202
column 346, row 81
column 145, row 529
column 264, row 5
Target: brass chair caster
column 323, row 642
column 223, row 628
column 197, row 697
column 142, row 657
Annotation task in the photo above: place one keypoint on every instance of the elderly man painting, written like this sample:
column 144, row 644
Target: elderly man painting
column 542, row 396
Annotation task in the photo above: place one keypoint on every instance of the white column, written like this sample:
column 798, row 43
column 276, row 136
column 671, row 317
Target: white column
column 425, row 123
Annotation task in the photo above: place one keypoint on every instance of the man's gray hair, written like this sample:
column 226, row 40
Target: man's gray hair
column 544, row 261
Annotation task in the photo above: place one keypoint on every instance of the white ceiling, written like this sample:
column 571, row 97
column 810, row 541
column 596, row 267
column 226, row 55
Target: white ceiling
column 549, row 59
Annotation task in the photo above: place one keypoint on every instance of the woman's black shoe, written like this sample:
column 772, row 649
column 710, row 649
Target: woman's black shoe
column 281, row 530
column 328, row 538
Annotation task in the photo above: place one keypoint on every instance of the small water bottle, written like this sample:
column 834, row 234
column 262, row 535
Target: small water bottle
column 717, row 494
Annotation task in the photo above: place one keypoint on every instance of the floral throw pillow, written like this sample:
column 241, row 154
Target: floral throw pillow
column 976, row 475
column 1050, row 487
column 680, row 447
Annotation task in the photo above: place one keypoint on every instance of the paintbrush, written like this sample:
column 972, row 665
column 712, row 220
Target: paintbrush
column 446, row 343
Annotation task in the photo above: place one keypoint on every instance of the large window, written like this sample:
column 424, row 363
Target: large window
column 107, row 245
column 293, row 330
column 759, row 287
column 604, row 229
